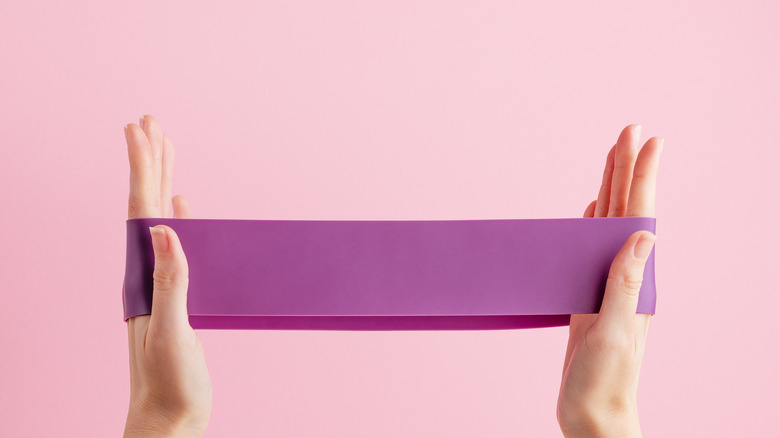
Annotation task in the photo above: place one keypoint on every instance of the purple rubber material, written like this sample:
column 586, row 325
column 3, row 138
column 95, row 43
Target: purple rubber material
column 388, row 275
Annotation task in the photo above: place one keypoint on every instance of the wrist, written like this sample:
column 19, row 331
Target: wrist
column 145, row 422
column 602, row 422
column 146, row 428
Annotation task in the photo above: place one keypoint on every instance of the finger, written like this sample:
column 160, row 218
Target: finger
column 131, row 339
column 154, row 133
column 171, row 279
column 618, row 308
column 590, row 210
column 136, row 335
column 579, row 324
column 602, row 203
column 625, row 157
column 181, row 207
column 641, row 198
column 142, row 201
column 642, row 326
column 167, row 176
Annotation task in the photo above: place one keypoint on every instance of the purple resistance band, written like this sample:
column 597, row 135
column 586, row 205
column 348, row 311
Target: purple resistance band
column 388, row 275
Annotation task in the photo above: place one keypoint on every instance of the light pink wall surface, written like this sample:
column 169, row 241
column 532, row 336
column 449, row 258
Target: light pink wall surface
column 388, row 110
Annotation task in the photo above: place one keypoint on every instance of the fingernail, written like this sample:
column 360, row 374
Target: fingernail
column 159, row 240
column 643, row 246
column 141, row 122
column 125, row 127
column 637, row 134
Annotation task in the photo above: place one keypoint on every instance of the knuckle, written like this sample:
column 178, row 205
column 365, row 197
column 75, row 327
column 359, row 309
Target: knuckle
column 616, row 209
column 162, row 339
column 167, row 279
column 132, row 207
column 626, row 284
column 632, row 213
column 641, row 177
column 615, row 341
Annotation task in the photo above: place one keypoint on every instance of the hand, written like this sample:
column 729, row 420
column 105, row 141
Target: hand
column 601, row 370
column 170, row 390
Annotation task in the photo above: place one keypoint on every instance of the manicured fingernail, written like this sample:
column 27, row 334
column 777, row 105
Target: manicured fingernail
column 125, row 127
column 159, row 240
column 638, row 129
column 643, row 246
column 141, row 122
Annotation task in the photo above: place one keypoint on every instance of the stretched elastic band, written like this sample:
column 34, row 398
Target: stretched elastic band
column 388, row 275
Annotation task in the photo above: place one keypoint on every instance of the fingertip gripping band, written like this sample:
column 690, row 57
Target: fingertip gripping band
column 388, row 275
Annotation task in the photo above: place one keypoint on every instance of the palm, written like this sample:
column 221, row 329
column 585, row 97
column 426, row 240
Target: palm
column 628, row 189
column 166, row 358
column 151, row 157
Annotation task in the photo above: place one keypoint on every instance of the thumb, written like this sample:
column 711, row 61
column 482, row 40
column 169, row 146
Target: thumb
column 171, row 279
column 625, row 279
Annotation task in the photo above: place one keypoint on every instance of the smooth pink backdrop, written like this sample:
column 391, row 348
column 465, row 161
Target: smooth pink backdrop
column 388, row 110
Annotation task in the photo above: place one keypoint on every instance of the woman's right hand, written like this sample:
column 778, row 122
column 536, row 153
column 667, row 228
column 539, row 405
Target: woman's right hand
column 170, row 389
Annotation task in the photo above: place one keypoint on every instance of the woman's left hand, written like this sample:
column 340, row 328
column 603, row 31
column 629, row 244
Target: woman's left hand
column 601, row 368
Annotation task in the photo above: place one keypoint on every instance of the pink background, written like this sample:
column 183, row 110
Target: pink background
column 388, row 110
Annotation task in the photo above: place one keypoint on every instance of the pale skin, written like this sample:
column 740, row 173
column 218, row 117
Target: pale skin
column 170, row 389
column 604, row 354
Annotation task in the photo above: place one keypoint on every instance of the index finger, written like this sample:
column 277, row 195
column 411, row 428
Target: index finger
column 141, row 201
column 641, row 197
